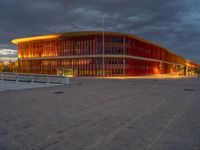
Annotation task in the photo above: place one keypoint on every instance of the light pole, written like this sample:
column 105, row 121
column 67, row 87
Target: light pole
column 124, row 62
column 103, row 47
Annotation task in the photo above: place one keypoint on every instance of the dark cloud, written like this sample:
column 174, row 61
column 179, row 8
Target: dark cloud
column 173, row 24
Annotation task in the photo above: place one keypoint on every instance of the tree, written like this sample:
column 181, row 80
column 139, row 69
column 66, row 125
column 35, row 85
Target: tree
column 10, row 66
column 1, row 66
column 198, row 70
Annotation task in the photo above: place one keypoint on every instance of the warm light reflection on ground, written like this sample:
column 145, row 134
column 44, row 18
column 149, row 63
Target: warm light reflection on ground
column 163, row 76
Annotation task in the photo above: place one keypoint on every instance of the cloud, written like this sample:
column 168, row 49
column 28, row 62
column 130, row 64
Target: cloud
column 171, row 24
column 8, row 54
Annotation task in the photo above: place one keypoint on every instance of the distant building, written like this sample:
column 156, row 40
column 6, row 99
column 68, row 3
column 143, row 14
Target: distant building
column 96, row 54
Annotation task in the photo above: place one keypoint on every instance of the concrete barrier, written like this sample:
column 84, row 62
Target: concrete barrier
column 9, row 77
column 24, row 78
column 34, row 78
column 40, row 79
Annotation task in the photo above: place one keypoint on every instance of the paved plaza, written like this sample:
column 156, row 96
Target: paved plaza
column 12, row 85
column 103, row 114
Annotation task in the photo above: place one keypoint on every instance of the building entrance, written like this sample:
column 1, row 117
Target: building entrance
column 66, row 72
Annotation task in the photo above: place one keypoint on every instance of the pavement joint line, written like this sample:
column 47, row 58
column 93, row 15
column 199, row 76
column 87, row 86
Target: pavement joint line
column 53, row 137
column 167, row 125
column 82, row 127
column 124, row 124
column 104, row 140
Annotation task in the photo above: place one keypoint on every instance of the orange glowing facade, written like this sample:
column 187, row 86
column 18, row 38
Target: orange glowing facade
column 95, row 54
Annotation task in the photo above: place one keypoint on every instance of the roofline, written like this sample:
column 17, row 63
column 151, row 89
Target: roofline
column 40, row 37
column 56, row 35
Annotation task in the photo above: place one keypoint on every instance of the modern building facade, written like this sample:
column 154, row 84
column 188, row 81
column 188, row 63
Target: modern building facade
column 96, row 54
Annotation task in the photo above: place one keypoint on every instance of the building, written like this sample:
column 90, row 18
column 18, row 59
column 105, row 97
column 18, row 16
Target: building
column 96, row 54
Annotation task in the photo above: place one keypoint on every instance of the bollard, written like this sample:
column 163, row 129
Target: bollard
column 2, row 79
column 65, row 80
column 32, row 79
column 17, row 78
column 48, row 80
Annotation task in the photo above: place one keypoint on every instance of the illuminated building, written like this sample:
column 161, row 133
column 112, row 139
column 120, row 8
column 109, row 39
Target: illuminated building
column 92, row 54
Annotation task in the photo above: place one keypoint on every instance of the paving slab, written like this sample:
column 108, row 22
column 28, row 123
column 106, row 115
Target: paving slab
column 103, row 114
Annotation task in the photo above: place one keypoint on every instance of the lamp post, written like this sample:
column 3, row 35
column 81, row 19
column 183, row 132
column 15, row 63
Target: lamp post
column 103, row 47
column 124, row 62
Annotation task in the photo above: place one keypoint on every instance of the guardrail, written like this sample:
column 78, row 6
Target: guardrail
column 34, row 78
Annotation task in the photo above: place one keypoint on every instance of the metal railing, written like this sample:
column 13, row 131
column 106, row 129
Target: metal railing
column 33, row 78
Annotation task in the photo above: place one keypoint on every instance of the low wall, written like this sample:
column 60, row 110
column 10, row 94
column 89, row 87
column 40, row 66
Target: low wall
column 34, row 78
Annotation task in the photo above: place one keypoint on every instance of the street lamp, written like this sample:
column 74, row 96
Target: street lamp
column 103, row 47
column 124, row 61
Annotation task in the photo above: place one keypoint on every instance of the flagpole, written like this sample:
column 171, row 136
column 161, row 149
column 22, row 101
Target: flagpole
column 103, row 47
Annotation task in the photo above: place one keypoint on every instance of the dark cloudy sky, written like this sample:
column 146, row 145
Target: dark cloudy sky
column 174, row 24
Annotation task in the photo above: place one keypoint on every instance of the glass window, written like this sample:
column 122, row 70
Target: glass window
column 106, row 50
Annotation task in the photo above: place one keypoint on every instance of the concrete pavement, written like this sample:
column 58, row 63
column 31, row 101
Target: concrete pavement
column 103, row 114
